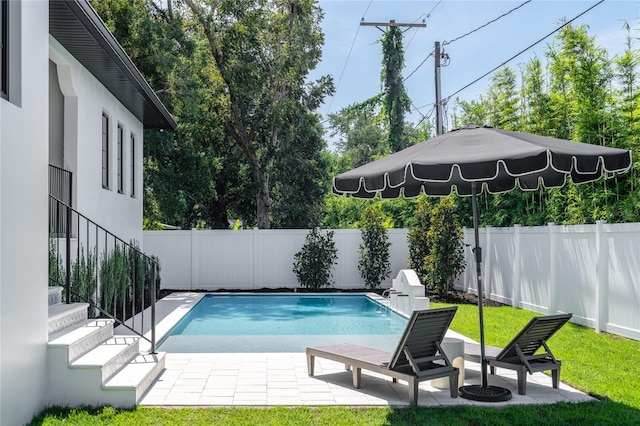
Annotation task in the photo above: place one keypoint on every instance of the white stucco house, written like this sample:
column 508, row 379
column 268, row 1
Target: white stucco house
column 70, row 98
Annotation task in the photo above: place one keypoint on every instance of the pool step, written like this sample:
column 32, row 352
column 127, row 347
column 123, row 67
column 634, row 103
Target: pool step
column 89, row 365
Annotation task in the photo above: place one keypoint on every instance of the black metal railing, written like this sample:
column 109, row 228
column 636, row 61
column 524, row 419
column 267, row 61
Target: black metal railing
column 96, row 267
column 61, row 188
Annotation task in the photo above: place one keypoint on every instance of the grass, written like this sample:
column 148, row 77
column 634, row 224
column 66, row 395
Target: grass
column 601, row 364
column 597, row 363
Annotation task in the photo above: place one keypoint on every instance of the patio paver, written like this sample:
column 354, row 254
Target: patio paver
column 268, row 379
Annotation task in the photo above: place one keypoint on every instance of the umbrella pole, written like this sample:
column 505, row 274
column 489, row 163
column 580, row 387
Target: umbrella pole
column 477, row 251
column 482, row 392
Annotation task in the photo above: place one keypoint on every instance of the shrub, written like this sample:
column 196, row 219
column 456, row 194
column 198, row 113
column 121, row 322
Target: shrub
column 445, row 259
column 57, row 273
column 115, row 279
column 374, row 265
column 314, row 262
column 417, row 236
column 84, row 281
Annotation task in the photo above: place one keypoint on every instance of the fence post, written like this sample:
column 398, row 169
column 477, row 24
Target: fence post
column 602, row 274
column 487, row 264
column 553, row 268
column 256, row 258
column 517, row 267
column 468, row 256
column 194, row 259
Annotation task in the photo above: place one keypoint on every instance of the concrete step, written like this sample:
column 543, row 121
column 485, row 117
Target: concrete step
column 62, row 315
column 109, row 357
column 82, row 337
column 136, row 377
column 55, row 295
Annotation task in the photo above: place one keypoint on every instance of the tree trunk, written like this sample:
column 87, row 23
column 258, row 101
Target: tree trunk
column 263, row 201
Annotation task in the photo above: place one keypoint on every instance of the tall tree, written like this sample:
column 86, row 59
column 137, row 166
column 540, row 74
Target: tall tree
column 535, row 99
column 473, row 111
column 360, row 131
column 504, row 99
column 263, row 51
column 193, row 176
column 396, row 100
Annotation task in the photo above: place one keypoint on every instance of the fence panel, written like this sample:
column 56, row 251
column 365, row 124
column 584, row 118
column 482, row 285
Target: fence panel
column 573, row 289
column 592, row 271
column 622, row 287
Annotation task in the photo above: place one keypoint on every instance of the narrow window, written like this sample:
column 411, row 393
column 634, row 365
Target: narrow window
column 132, row 171
column 120, row 159
column 105, row 151
column 4, row 47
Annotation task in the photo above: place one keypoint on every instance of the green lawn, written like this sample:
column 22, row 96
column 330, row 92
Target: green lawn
column 605, row 366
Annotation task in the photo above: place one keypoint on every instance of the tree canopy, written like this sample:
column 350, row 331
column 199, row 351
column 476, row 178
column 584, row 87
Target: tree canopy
column 250, row 143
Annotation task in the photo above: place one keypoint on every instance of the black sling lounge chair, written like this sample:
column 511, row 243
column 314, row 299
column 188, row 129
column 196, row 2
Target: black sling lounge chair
column 417, row 357
column 521, row 353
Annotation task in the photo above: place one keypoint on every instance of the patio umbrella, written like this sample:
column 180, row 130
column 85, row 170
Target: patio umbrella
column 474, row 159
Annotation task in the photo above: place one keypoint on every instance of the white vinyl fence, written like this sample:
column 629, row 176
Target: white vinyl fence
column 255, row 259
column 592, row 271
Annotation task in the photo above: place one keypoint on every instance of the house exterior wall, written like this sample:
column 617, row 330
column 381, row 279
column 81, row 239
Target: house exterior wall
column 23, row 223
column 85, row 100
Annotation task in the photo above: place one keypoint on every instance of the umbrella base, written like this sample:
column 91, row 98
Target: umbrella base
column 485, row 393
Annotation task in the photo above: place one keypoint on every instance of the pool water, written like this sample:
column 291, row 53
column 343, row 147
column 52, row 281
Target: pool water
column 283, row 323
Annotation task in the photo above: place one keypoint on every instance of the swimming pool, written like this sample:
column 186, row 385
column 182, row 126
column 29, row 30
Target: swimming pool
column 283, row 322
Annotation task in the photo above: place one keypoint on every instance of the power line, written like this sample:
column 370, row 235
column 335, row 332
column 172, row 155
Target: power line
column 412, row 37
column 417, row 110
column 425, row 117
column 524, row 50
column 416, row 69
column 425, row 16
column 347, row 60
column 367, row 9
column 433, row 8
column 444, row 43
column 428, row 15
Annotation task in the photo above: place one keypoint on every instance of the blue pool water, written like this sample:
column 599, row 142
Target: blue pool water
column 283, row 323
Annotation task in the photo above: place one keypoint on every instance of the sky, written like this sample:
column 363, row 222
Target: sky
column 352, row 53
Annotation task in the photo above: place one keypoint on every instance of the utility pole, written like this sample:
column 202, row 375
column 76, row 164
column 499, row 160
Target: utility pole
column 396, row 99
column 391, row 23
column 438, row 94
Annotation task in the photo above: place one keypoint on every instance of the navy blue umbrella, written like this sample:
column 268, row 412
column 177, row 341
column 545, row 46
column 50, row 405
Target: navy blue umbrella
column 474, row 159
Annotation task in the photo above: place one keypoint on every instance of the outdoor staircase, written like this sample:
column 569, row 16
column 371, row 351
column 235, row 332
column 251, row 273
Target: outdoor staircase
column 89, row 365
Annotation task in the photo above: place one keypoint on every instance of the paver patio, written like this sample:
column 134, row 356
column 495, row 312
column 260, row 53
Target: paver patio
column 266, row 379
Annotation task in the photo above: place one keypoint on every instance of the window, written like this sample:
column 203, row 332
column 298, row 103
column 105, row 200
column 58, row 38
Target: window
column 10, row 51
column 4, row 46
column 132, row 170
column 105, row 151
column 120, row 149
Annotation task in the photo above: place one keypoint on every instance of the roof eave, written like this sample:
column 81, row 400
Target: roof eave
column 77, row 26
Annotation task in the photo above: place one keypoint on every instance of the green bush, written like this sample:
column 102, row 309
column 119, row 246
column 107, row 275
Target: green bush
column 374, row 265
column 57, row 273
column 84, row 281
column 417, row 236
column 445, row 260
column 115, row 279
column 314, row 263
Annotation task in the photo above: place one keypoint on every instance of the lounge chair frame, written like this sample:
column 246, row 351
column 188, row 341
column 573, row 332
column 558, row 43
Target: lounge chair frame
column 521, row 354
column 418, row 356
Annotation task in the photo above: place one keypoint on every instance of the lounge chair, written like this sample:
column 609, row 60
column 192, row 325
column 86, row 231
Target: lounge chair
column 417, row 357
column 521, row 353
